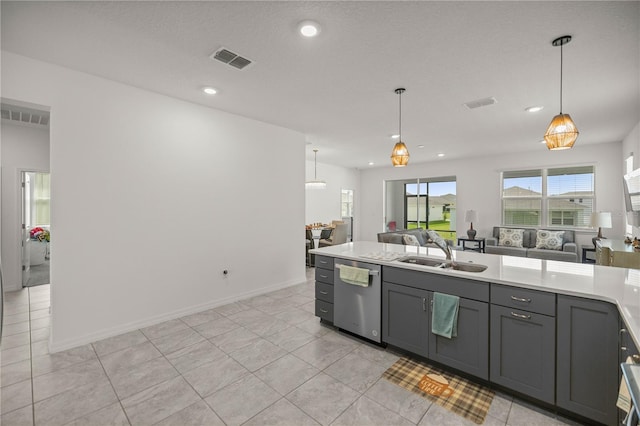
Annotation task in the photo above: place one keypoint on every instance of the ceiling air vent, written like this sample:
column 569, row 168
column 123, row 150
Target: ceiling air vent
column 24, row 115
column 479, row 103
column 228, row 57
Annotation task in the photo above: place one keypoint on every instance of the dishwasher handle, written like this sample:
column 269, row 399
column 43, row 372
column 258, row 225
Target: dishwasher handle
column 371, row 271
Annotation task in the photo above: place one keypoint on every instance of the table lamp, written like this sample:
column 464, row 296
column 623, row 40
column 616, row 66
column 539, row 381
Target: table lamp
column 601, row 220
column 471, row 216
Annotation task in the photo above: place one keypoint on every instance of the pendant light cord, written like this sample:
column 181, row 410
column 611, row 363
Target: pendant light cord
column 315, row 164
column 561, row 77
column 400, row 118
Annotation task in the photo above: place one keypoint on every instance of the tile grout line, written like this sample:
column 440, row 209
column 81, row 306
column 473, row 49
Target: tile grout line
column 33, row 402
column 112, row 387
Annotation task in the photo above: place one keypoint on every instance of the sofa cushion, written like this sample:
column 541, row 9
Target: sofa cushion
column 506, row 250
column 549, row 240
column 545, row 254
column 510, row 237
column 410, row 240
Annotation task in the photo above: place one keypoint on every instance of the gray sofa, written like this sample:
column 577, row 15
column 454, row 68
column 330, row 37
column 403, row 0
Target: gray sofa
column 569, row 252
column 395, row 237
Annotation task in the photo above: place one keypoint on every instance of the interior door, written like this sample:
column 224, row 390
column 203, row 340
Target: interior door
column 26, row 220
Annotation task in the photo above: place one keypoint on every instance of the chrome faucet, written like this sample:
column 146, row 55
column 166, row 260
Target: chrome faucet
column 441, row 243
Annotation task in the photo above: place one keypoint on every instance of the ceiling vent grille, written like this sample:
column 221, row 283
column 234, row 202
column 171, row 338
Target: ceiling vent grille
column 24, row 115
column 230, row 58
column 479, row 103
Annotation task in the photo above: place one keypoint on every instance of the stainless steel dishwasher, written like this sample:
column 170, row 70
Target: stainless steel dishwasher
column 357, row 308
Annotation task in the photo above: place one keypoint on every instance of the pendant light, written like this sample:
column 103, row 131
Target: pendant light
column 315, row 183
column 562, row 132
column 400, row 153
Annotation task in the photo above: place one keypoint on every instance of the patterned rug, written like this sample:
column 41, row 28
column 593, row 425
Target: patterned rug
column 454, row 393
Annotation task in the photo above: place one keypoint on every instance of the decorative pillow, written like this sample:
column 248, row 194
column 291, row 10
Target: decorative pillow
column 511, row 237
column 410, row 240
column 550, row 240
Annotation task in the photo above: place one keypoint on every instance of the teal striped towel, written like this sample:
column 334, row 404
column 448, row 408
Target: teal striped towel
column 444, row 318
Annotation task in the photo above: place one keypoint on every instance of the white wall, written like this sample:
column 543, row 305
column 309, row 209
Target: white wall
column 152, row 198
column 23, row 149
column 323, row 205
column 631, row 145
column 478, row 185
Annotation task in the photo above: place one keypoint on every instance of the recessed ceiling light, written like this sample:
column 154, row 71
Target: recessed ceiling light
column 371, row 163
column 309, row 28
column 420, row 146
column 209, row 90
column 441, row 155
column 534, row 108
column 395, row 136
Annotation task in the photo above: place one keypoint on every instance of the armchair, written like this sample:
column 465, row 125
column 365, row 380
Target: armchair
column 338, row 236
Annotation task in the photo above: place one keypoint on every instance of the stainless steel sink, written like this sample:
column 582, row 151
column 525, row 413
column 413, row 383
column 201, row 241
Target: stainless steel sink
column 424, row 261
column 468, row 267
column 436, row 263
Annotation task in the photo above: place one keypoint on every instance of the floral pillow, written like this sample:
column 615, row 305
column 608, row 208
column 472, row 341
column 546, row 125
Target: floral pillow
column 550, row 240
column 410, row 240
column 511, row 237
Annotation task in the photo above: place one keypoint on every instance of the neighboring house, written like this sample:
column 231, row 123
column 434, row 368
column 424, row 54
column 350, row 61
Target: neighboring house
column 566, row 209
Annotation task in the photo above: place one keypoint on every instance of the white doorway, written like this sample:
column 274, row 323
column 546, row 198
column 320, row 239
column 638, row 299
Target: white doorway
column 36, row 228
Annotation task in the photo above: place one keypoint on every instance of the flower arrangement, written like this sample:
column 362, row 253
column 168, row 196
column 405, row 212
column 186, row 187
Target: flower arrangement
column 40, row 234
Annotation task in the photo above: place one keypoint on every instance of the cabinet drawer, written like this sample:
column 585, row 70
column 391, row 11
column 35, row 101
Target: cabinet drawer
column 324, row 262
column 324, row 292
column 324, row 275
column 324, row 310
column 524, row 299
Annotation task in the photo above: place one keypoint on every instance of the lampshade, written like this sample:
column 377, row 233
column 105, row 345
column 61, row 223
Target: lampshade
column 400, row 155
column 601, row 220
column 561, row 133
column 315, row 183
column 471, row 216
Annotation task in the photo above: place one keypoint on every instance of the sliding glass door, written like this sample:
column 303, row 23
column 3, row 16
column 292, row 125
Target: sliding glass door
column 428, row 203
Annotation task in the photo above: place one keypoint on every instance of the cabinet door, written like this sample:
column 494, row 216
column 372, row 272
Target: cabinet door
column 523, row 352
column 588, row 358
column 469, row 351
column 405, row 318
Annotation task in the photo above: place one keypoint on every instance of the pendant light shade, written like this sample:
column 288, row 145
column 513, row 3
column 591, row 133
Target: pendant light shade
column 562, row 132
column 315, row 183
column 400, row 153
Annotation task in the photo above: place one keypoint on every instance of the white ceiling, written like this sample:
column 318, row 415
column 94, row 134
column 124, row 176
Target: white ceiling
column 338, row 88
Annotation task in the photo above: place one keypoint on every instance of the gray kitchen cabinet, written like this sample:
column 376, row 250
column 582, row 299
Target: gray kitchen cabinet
column 324, row 288
column 469, row 351
column 406, row 323
column 523, row 351
column 405, row 318
column 588, row 355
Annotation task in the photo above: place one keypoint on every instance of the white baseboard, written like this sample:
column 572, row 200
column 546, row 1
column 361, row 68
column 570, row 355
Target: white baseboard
column 63, row 345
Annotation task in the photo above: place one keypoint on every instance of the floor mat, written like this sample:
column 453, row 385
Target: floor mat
column 452, row 392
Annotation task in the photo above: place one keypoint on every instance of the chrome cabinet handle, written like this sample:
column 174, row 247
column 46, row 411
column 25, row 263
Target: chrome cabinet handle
column 323, row 276
column 323, row 262
column 323, row 292
column 513, row 314
column 520, row 299
column 324, row 311
column 623, row 348
column 424, row 304
column 622, row 331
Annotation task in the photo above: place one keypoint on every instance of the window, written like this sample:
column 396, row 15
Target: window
column 422, row 203
column 559, row 197
column 346, row 203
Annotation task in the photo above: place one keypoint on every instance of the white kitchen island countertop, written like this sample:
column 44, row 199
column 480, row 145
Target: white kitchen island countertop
column 620, row 286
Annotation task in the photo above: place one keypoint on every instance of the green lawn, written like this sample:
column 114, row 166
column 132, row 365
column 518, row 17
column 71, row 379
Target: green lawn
column 442, row 226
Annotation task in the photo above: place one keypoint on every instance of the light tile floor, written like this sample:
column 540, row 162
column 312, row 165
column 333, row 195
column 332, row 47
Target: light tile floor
column 262, row 361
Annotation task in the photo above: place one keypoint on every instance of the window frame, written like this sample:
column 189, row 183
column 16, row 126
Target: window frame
column 546, row 215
